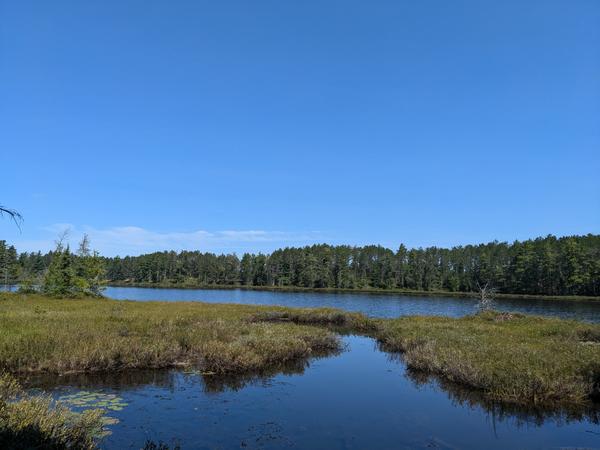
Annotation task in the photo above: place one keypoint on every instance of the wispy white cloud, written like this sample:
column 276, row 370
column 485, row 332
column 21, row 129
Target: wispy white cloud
column 58, row 228
column 133, row 240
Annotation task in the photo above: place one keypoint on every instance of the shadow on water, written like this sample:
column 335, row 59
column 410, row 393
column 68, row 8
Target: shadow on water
column 168, row 380
column 102, row 380
column 362, row 397
column 521, row 415
column 214, row 384
column 466, row 396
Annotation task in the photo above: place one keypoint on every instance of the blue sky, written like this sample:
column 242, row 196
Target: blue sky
column 237, row 125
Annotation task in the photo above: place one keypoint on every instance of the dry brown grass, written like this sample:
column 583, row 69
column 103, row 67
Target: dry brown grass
column 508, row 357
column 88, row 335
column 521, row 359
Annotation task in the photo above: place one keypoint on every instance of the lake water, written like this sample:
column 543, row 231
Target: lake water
column 387, row 305
column 360, row 399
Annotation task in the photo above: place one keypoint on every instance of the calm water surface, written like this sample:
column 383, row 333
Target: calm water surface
column 359, row 399
column 362, row 398
column 369, row 304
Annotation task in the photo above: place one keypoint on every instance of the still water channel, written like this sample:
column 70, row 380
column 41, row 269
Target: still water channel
column 362, row 398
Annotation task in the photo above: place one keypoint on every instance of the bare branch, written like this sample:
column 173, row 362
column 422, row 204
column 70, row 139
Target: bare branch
column 486, row 296
column 60, row 240
column 13, row 214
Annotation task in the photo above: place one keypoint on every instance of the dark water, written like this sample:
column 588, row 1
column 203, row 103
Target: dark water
column 372, row 305
column 362, row 398
column 359, row 399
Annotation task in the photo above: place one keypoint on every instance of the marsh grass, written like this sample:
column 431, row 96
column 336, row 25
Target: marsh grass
column 67, row 336
column 517, row 413
column 507, row 357
column 334, row 318
column 511, row 358
column 32, row 422
column 39, row 334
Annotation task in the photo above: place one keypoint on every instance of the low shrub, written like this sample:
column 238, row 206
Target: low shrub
column 31, row 422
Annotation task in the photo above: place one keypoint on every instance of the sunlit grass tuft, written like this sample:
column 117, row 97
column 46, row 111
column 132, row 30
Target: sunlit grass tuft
column 518, row 359
column 88, row 335
column 508, row 357
column 38, row 422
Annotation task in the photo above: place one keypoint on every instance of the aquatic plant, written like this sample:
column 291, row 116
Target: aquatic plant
column 85, row 400
column 100, row 400
column 36, row 421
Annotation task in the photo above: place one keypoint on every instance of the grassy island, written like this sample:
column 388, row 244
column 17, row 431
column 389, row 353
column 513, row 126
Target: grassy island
column 507, row 357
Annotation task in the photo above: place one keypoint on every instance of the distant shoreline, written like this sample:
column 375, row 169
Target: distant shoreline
column 371, row 291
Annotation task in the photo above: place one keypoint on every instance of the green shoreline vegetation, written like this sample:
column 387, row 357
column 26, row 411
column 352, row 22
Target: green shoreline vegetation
column 370, row 291
column 546, row 266
column 490, row 351
column 509, row 358
column 59, row 323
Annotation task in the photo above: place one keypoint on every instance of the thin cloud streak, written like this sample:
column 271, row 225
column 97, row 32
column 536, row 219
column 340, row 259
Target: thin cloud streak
column 133, row 240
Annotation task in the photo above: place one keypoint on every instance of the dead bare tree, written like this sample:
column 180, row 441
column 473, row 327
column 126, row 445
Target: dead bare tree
column 13, row 214
column 486, row 296
column 63, row 237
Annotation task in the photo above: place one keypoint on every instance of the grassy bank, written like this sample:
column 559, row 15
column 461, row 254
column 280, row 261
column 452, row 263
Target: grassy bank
column 508, row 357
column 39, row 334
column 373, row 291
column 86, row 335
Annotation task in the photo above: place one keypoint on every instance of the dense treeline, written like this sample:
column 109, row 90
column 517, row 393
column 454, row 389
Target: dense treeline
column 58, row 273
column 546, row 266
column 9, row 265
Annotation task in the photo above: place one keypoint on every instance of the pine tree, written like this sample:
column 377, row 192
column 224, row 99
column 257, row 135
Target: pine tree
column 70, row 275
column 60, row 277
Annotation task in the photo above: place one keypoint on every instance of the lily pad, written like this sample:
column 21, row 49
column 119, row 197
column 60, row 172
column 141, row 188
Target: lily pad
column 96, row 400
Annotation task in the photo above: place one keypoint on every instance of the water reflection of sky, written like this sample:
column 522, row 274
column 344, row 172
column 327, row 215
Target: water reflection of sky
column 362, row 398
column 372, row 305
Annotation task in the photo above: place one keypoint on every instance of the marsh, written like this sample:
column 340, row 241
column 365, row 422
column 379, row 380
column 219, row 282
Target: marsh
column 237, row 362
